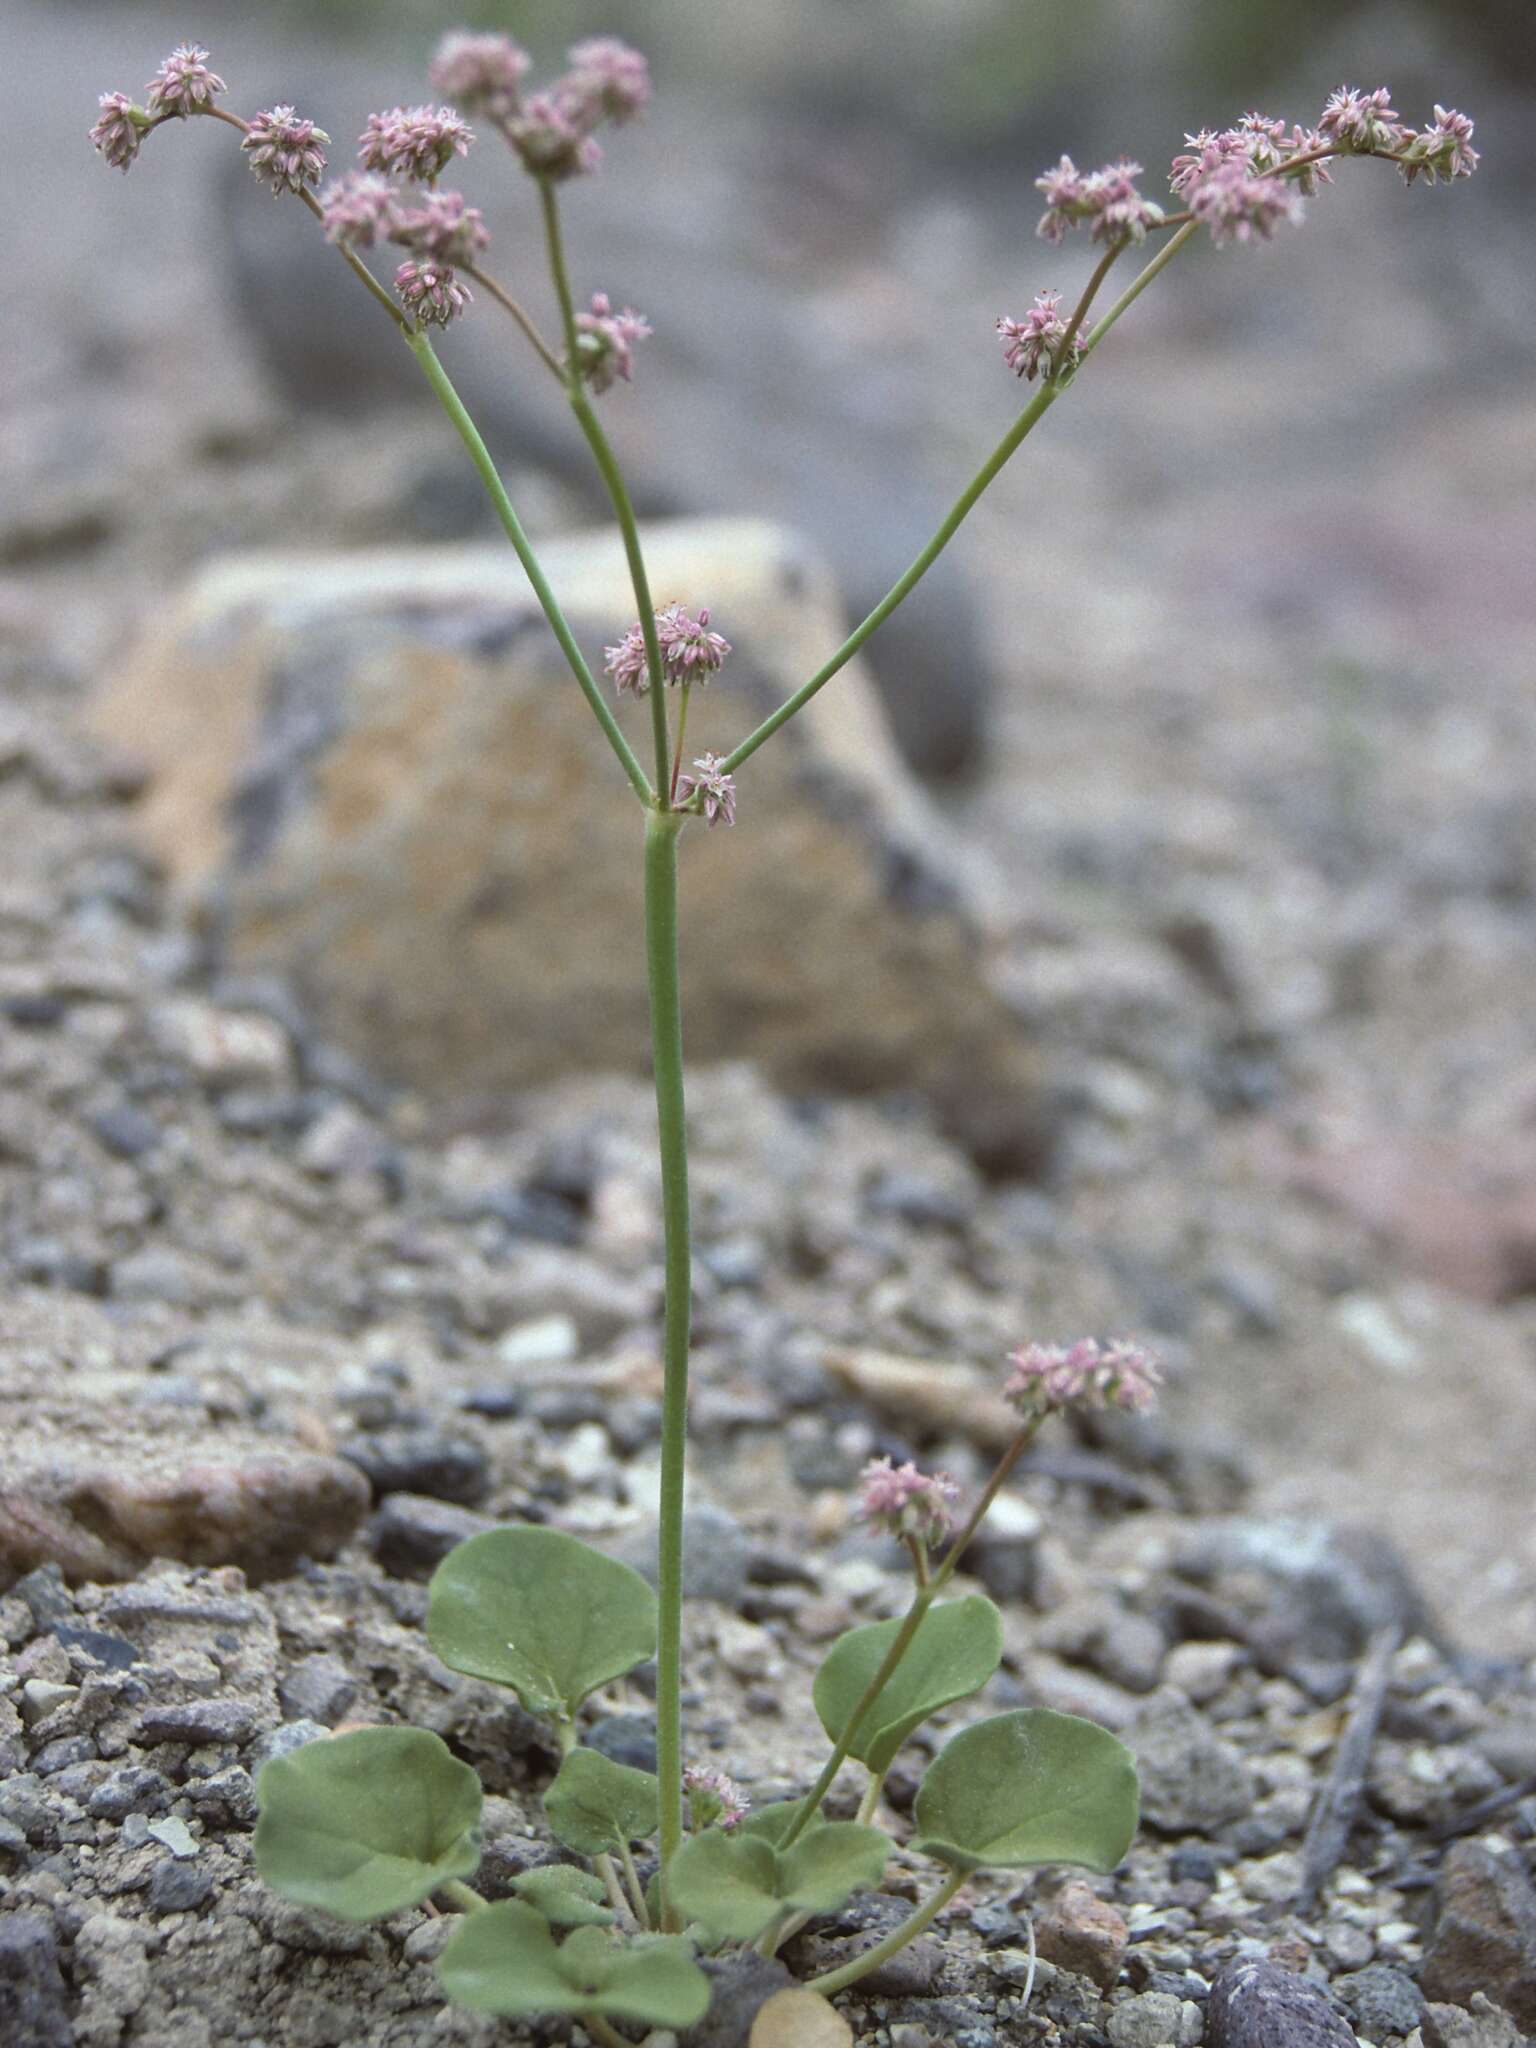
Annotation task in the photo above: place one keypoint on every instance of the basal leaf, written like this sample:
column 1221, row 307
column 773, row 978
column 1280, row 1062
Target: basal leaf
column 566, row 1896
column 541, row 1612
column 1029, row 1787
column 829, row 1864
column 769, row 1823
column 505, row 1961
column 595, row 1804
column 361, row 1825
column 955, row 1651
column 736, row 1884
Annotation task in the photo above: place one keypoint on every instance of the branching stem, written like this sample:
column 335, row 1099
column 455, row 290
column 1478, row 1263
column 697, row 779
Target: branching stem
column 897, row 1939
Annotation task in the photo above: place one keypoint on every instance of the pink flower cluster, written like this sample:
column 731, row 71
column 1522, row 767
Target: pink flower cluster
column 1363, row 123
column 418, row 143
column 715, row 790
column 286, row 152
column 714, row 1800
column 1107, row 197
column 913, row 1506
column 431, row 293
column 607, row 342
column 184, row 84
column 690, row 652
column 1033, row 342
column 552, row 130
column 1046, row 1377
column 118, row 129
column 1442, row 150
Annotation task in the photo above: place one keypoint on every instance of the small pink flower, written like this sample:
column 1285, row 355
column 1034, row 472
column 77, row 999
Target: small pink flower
column 908, row 1504
column 413, row 142
column 614, row 78
column 690, row 652
column 551, row 136
column 714, row 1800
column 1363, row 123
column 715, row 789
column 1033, row 341
column 1306, row 142
column 627, row 663
column 483, row 74
column 286, row 152
column 431, row 293
column 358, row 210
column 118, row 129
column 1238, row 207
column 1048, row 1377
column 1107, row 197
column 608, row 342
column 184, row 84
column 1443, row 150
column 443, row 229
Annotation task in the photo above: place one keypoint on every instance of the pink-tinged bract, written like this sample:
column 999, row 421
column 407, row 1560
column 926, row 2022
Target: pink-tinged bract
column 1032, row 343
column 613, row 77
column 714, row 1800
column 1364, row 123
column 286, row 151
column 552, row 136
column 413, row 142
column 431, row 293
column 184, row 84
column 908, row 1504
column 359, row 210
column 443, row 229
column 715, row 790
column 607, row 342
column 482, row 73
column 1238, row 207
column 118, row 129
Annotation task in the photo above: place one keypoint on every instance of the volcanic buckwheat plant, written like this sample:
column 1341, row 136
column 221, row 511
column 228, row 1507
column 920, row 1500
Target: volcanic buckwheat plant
column 374, row 1820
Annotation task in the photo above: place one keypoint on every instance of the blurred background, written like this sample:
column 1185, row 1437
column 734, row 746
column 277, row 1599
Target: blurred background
column 1230, row 678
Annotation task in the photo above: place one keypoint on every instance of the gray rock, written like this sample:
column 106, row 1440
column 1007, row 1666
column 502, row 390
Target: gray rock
column 126, row 1130
column 626, row 1739
column 1191, row 1781
column 876, row 959
column 283, row 1741
column 1485, row 1933
column 412, row 1533
column 198, row 1721
column 429, row 1461
column 177, row 1887
column 34, row 2012
column 1482, row 2024
column 318, row 1688
column 1155, row 2019
column 133, row 1789
column 739, row 1986
column 1381, row 2000
column 62, row 1754
column 1257, row 2004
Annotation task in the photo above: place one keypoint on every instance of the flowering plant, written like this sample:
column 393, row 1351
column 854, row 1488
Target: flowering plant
column 378, row 1819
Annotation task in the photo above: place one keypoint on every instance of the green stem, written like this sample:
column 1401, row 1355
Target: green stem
column 989, row 1493
column 1038, row 406
column 613, row 481
column 633, row 1885
column 1139, row 283
column 869, row 1805
column 599, row 2029
column 462, row 1897
column 662, row 829
column 480, row 455
column 909, row 1930
column 677, row 757
column 611, row 1885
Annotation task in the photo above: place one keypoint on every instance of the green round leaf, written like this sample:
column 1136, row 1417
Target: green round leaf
column 504, row 1960
column 595, row 1804
column 361, row 1825
column 768, row 1823
column 566, row 1896
column 955, row 1651
column 1029, row 1787
column 541, row 1612
column 737, row 1884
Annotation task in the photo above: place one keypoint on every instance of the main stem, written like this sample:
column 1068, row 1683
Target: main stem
column 662, row 830
column 897, row 1939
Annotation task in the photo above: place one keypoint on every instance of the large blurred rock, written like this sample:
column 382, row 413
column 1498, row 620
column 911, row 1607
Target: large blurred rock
column 377, row 775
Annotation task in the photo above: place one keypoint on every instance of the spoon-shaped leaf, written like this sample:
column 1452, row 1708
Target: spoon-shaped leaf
column 769, row 1823
column 363, row 1824
column 1028, row 1787
column 955, row 1651
column 540, row 1611
column 736, row 1884
column 505, row 1961
column 566, row 1896
column 595, row 1804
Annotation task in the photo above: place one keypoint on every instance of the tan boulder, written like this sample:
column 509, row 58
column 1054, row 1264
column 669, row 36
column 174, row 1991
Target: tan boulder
column 376, row 776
